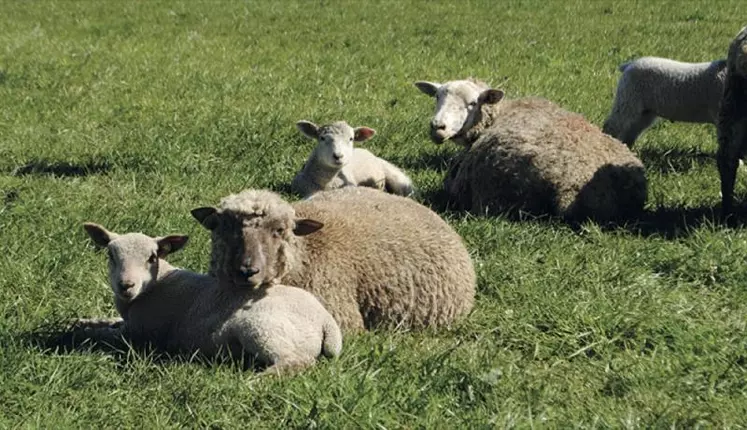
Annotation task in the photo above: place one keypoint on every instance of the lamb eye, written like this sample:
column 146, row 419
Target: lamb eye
column 153, row 258
column 472, row 104
column 279, row 232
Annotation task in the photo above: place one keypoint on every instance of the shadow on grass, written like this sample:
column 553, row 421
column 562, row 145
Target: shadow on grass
column 674, row 160
column 438, row 161
column 65, row 337
column 62, row 168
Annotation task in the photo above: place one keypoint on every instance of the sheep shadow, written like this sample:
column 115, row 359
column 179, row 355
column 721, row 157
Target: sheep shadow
column 674, row 160
column 62, row 168
column 438, row 161
column 63, row 337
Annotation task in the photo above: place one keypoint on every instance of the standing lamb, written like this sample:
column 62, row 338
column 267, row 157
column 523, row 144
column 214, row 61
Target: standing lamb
column 529, row 155
column 335, row 163
column 373, row 258
column 732, row 122
column 652, row 86
column 181, row 311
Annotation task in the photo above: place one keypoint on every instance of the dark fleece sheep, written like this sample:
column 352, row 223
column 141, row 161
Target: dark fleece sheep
column 732, row 121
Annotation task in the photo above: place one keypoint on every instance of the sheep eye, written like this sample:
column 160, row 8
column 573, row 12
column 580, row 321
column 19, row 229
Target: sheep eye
column 472, row 104
column 110, row 254
column 279, row 232
column 153, row 258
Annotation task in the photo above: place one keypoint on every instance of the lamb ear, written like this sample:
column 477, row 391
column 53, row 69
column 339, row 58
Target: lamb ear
column 207, row 216
column 308, row 128
column 100, row 236
column 306, row 226
column 490, row 96
column 170, row 244
column 430, row 88
column 362, row 134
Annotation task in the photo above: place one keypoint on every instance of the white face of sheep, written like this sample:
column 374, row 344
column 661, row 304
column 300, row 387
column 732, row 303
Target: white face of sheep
column 335, row 141
column 454, row 102
column 133, row 258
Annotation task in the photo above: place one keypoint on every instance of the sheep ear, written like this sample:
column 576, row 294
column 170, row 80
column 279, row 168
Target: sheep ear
column 100, row 236
column 308, row 128
column 362, row 134
column 169, row 244
column 306, row 226
column 207, row 216
column 490, row 96
column 430, row 88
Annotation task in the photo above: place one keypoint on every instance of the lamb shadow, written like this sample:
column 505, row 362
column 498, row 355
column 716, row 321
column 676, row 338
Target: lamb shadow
column 62, row 168
column 674, row 160
column 63, row 337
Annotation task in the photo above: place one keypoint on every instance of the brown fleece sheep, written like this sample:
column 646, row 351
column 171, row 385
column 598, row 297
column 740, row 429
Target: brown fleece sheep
column 529, row 155
column 732, row 121
column 372, row 258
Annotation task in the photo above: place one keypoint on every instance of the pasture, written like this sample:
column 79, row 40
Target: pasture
column 130, row 114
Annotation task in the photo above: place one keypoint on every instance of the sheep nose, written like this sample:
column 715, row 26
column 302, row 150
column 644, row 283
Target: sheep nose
column 248, row 272
column 126, row 285
column 337, row 155
column 438, row 125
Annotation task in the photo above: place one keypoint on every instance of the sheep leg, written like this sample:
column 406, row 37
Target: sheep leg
column 636, row 127
column 728, row 162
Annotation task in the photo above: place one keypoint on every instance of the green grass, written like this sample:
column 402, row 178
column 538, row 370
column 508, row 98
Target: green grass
column 130, row 114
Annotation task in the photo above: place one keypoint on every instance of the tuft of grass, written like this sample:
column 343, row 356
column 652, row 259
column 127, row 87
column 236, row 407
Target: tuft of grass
column 130, row 114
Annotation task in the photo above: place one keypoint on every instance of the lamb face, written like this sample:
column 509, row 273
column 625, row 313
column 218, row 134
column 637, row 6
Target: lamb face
column 133, row 258
column 335, row 141
column 455, row 100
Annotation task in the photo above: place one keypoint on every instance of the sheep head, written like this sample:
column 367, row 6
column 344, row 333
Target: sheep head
column 335, row 141
column 737, row 58
column 133, row 258
column 455, row 100
column 254, row 237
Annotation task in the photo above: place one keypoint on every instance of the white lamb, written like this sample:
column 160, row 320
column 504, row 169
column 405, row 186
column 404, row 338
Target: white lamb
column 652, row 86
column 177, row 310
column 335, row 163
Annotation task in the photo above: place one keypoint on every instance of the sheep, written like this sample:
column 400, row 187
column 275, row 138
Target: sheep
column 652, row 86
column 374, row 259
column 176, row 310
column 732, row 120
column 335, row 163
column 529, row 155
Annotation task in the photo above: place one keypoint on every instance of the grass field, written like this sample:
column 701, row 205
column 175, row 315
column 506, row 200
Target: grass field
column 130, row 114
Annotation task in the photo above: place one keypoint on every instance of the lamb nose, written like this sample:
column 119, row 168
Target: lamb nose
column 126, row 285
column 438, row 125
column 337, row 156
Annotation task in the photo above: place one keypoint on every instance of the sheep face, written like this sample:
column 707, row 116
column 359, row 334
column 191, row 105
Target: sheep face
column 334, row 141
column 455, row 100
column 250, row 249
column 133, row 258
column 738, row 51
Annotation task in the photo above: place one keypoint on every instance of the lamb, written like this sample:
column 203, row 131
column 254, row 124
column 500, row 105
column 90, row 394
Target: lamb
column 176, row 310
column 335, row 163
column 529, row 155
column 732, row 120
column 652, row 86
column 374, row 259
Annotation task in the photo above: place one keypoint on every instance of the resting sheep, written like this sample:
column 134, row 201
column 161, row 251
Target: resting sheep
column 732, row 121
column 372, row 258
column 529, row 155
column 652, row 86
column 335, row 163
column 181, row 311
